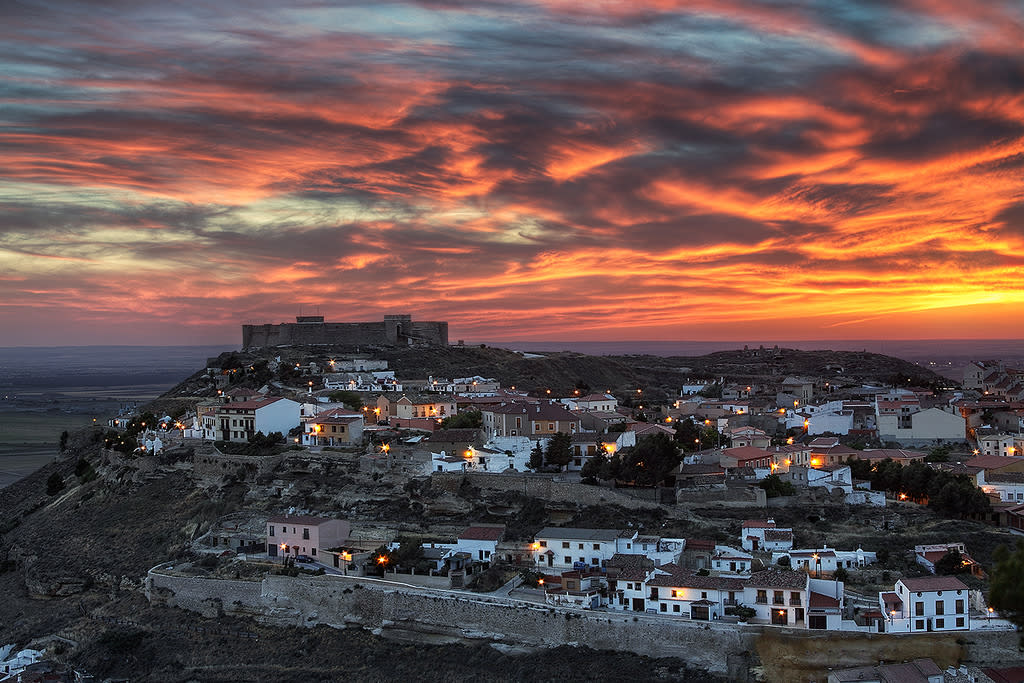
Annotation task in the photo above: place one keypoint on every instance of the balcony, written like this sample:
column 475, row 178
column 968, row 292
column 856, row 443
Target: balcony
column 730, row 603
column 761, row 600
column 778, row 601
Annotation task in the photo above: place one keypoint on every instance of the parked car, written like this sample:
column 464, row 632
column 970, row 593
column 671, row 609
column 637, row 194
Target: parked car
column 303, row 558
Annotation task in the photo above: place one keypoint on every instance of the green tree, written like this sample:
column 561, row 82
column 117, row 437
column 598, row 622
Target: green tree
column 536, row 457
column 1006, row 590
column 951, row 563
column 470, row 419
column 711, row 391
column 559, row 450
column 409, row 553
column 595, row 466
column 380, row 561
column 774, row 486
column 939, row 454
column 859, row 468
column 650, row 461
column 351, row 399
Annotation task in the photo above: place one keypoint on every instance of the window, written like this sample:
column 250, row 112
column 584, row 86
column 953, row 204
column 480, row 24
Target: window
column 794, row 598
column 595, row 561
column 565, row 544
column 918, row 609
column 762, row 597
column 597, row 546
column 305, row 534
column 313, row 552
column 703, row 595
column 654, row 593
column 543, row 544
column 664, row 607
column 629, row 546
column 568, row 560
column 580, row 546
column 959, row 607
column 271, row 529
column 959, row 622
column 919, row 624
column 675, row 608
column 778, row 598
column 551, row 426
column 675, row 594
column 940, row 607
column 940, row 623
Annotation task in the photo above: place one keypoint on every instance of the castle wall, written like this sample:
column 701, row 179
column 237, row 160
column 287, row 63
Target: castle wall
column 383, row 333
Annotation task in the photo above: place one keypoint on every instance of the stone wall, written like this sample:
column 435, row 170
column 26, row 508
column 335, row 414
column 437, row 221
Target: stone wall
column 383, row 333
column 210, row 462
column 538, row 486
column 436, row 616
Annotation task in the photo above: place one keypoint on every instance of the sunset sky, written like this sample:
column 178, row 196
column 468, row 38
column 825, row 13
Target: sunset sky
column 553, row 169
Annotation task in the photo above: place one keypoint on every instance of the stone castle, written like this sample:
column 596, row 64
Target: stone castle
column 394, row 330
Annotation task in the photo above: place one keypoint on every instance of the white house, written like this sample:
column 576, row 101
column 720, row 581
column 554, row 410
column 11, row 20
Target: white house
column 759, row 534
column 999, row 444
column 679, row 592
column 593, row 402
column 729, row 560
column 932, row 425
column 825, row 560
column 930, row 603
column 562, row 549
column 240, row 420
column 1009, row 486
column 480, row 541
column 304, row 535
column 789, row 598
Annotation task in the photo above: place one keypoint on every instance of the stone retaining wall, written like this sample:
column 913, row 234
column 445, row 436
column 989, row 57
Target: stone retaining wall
column 437, row 616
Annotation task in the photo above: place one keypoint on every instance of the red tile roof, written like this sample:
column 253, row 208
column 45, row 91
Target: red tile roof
column 821, row 600
column 933, row 583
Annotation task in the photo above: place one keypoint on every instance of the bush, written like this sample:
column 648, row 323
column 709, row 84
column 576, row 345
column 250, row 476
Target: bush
column 55, row 484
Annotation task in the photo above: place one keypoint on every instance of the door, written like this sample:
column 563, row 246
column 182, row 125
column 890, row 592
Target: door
column 638, row 604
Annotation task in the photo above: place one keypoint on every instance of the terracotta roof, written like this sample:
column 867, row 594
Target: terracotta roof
column 758, row 524
column 687, row 578
column 626, row 561
column 483, row 533
column 744, row 453
column 933, row 583
column 821, row 600
column 891, row 599
column 992, row 462
column 255, row 404
column 778, row 578
column 699, row 544
column 778, row 535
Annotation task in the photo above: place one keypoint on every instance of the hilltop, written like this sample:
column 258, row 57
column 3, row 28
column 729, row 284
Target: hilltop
column 561, row 371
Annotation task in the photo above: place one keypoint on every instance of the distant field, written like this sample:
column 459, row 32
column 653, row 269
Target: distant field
column 20, row 461
column 39, row 428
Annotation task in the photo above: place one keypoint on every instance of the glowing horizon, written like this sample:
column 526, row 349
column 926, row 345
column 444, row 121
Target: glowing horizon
column 648, row 170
